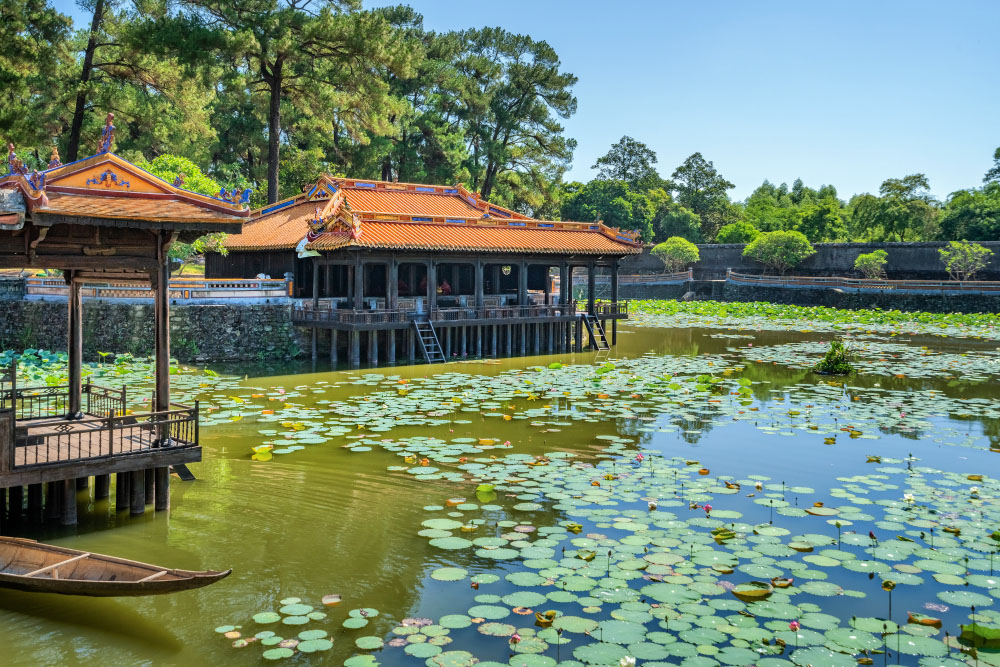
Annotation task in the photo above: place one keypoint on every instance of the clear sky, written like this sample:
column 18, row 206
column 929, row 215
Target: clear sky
column 845, row 92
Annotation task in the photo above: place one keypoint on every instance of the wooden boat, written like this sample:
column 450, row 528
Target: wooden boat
column 28, row 565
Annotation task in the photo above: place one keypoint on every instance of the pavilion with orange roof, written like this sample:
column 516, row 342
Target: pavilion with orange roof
column 97, row 219
column 429, row 267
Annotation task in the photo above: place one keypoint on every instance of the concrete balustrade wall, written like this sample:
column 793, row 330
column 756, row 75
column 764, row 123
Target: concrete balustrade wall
column 906, row 261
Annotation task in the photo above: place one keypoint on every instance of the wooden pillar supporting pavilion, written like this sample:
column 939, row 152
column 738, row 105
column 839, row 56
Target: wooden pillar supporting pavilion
column 68, row 517
column 102, row 486
column 591, row 287
column 614, row 299
column 75, row 347
column 161, row 326
column 122, row 491
column 333, row 347
column 53, row 503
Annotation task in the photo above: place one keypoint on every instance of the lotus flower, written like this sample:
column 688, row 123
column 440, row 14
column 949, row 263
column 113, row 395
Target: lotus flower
column 794, row 626
column 515, row 638
column 908, row 497
column 639, row 457
column 758, row 486
column 626, row 661
column 974, row 490
column 708, row 509
column 652, row 505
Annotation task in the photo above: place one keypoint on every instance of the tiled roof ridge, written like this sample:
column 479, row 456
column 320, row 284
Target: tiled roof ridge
column 35, row 185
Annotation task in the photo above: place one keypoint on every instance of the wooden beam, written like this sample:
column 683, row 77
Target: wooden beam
column 75, row 347
column 47, row 568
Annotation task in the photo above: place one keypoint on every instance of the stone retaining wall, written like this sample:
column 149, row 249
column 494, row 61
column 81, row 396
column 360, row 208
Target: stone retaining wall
column 197, row 333
column 886, row 300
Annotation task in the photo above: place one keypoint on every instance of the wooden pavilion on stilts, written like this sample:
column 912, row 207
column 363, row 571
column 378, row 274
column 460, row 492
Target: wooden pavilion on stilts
column 397, row 271
column 97, row 219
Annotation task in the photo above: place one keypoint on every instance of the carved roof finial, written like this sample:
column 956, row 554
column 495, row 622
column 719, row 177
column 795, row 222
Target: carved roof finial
column 107, row 134
column 14, row 163
column 54, row 160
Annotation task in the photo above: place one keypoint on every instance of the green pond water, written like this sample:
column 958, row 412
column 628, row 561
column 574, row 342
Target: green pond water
column 346, row 507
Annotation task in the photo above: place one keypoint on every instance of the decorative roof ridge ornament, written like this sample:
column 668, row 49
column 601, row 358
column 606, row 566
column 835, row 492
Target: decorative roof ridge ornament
column 236, row 196
column 14, row 163
column 54, row 160
column 107, row 135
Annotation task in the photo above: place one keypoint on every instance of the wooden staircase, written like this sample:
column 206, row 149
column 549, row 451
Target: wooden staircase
column 598, row 339
column 429, row 343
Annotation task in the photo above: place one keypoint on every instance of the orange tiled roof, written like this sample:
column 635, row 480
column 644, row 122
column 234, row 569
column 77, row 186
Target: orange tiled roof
column 412, row 216
column 475, row 238
column 129, row 208
column 281, row 230
column 106, row 189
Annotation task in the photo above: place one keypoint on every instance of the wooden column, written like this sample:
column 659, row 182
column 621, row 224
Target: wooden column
column 447, row 343
column 162, row 485
column 411, row 346
column 53, row 501
column 579, row 335
column 373, row 347
column 493, row 341
column 479, row 283
column 149, row 486
column 333, row 347
column 479, row 340
column 565, row 284
column 390, row 346
column 359, row 283
column 461, row 346
column 122, row 491
column 591, row 287
column 161, row 325
column 392, row 284
column 547, row 285
column 102, row 486
column 137, row 492
column 69, row 502
column 75, row 347
column 431, row 286
column 522, row 284
column 354, row 348
column 614, row 300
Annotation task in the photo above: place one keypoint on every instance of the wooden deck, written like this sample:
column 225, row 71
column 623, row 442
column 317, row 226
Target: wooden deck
column 55, row 448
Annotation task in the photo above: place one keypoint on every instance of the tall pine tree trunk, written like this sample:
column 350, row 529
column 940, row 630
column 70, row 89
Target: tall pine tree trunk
column 73, row 150
column 274, row 132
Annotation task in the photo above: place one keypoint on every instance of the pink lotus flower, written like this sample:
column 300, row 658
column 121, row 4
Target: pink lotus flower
column 794, row 626
column 708, row 508
column 515, row 638
column 506, row 442
column 639, row 457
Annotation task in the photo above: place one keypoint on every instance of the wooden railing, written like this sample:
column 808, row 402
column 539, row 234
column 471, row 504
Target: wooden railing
column 53, row 401
column 865, row 284
column 306, row 314
column 97, row 437
column 181, row 289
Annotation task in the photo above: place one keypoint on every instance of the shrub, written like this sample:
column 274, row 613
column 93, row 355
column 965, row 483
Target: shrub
column 676, row 253
column 964, row 259
column 737, row 232
column 837, row 360
column 779, row 250
column 872, row 264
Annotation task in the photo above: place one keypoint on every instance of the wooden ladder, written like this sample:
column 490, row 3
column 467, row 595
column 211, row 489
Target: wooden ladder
column 429, row 343
column 598, row 339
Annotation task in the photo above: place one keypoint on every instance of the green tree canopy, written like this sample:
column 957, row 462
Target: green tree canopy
column 872, row 264
column 737, row 232
column 973, row 214
column 964, row 259
column 903, row 211
column 780, row 250
column 612, row 202
column 630, row 161
column 676, row 253
column 702, row 189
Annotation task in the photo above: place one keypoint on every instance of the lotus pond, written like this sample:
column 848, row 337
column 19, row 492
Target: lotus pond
column 700, row 498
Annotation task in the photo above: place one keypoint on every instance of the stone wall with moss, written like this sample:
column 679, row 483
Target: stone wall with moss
column 197, row 333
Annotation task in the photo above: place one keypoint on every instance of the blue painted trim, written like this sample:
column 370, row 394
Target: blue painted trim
column 332, row 190
column 502, row 214
column 458, row 221
column 624, row 238
column 545, row 224
column 313, row 191
column 595, row 226
column 276, row 207
column 450, row 191
column 422, row 219
column 364, row 185
column 517, row 224
column 420, row 188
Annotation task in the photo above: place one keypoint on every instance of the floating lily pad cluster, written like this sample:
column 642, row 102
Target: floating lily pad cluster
column 282, row 636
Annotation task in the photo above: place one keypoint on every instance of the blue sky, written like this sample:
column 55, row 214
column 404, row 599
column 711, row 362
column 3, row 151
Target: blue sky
column 844, row 92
